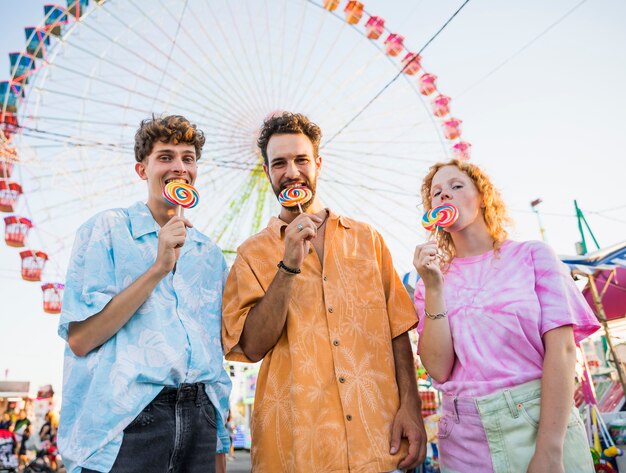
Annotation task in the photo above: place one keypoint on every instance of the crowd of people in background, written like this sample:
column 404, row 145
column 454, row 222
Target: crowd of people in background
column 27, row 443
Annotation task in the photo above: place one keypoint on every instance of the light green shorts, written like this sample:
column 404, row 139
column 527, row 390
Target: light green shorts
column 511, row 418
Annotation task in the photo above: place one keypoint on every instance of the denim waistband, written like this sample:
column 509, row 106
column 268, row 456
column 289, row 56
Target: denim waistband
column 504, row 399
column 184, row 392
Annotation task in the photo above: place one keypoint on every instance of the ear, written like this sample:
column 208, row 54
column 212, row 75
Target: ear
column 266, row 169
column 318, row 163
column 140, row 169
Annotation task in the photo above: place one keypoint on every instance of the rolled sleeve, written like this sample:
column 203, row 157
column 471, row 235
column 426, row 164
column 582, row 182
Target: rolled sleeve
column 402, row 317
column 90, row 281
column 243, row 290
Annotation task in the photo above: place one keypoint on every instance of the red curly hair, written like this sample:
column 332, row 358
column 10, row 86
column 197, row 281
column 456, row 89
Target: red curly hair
column 494, row 212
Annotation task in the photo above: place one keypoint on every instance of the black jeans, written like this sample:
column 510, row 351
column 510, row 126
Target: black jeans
column 175, row 433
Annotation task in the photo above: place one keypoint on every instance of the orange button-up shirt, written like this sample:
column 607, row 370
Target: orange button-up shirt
column 326, row 394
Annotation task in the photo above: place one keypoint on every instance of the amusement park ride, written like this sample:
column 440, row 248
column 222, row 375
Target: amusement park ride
column 92, row 70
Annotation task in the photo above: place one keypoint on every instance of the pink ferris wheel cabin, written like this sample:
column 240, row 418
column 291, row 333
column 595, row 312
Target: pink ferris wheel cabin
column 374, row 27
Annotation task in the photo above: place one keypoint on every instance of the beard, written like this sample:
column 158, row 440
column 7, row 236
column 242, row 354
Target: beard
column 309, row 185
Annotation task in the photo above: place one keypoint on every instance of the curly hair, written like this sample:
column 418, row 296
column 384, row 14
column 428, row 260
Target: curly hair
column 287, row 122
column 494, row 212
column 173, row 129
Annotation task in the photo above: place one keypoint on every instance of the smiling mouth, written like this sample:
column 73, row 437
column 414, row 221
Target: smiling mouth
column 178, row 179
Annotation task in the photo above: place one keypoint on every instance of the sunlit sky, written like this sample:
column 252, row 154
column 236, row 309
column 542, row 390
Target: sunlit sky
column 544, row 117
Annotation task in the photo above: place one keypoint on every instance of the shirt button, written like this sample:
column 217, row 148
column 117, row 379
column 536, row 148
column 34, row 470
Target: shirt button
column 336, row 343
column 342, row 379
column 325, row 278
column 330, row 309
column 349, row 417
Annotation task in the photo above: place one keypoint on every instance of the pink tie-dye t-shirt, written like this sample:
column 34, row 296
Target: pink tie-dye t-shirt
column 499, row 307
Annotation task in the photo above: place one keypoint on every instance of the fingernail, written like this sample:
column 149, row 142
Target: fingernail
column 393, row 450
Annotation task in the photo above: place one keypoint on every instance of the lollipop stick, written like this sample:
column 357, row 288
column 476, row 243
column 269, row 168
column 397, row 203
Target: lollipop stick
column 300, row 207
column 179, row 210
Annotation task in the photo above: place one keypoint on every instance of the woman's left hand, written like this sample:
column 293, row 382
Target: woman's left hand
column 546, row 462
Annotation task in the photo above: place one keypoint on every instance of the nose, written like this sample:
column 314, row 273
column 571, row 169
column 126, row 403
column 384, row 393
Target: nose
column 445, row 195
column 292, row 170
column 179, row 166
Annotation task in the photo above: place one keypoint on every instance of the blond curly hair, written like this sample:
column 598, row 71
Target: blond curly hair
column 494, row 212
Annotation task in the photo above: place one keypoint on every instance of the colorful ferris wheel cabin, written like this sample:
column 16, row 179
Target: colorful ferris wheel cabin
column 9, row 194
column 462, row 150
column 33, row 263
column 411, row 64
column 354, row 12
column 441, row 105
column 374, row 27
column 22, row 65
column 52, row 297
column 331, row 5
column 16, row 230
column 427, row 84
column 394, row 44
column 452, row 128
column 55, row 18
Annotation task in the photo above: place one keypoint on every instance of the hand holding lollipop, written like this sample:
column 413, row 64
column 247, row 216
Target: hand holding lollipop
column 295, row 195
column 440, row 217
column 180, row 194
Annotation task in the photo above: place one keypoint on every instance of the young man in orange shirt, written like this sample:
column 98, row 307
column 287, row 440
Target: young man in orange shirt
column 315, row 295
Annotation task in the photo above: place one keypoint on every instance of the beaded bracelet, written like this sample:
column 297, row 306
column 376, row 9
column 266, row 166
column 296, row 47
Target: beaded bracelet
column 282, row 266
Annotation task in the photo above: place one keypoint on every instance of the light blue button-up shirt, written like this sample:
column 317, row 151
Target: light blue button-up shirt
column 173, row 338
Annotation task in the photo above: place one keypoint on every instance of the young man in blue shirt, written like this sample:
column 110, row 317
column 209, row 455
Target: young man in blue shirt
column 144, row 385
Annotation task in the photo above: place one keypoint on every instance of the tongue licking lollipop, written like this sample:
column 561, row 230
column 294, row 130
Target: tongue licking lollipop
column 296, row 195
column 440, row 217
column 180, row 194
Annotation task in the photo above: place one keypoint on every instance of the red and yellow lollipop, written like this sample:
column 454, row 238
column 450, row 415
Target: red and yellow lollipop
column 295, row 195
column 181, row 194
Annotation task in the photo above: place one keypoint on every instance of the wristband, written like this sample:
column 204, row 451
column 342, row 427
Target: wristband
column 435, row 316
column 282, row 266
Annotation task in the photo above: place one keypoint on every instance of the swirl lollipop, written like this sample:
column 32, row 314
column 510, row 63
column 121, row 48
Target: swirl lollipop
column 296, row 195
column 180, row 194
column 440, row 217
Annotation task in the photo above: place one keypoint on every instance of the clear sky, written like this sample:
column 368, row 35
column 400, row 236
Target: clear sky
column 549, row 123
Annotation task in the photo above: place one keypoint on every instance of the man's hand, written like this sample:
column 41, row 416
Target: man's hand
column 220, row 463
column 171, row 239
column 409, row 424
column 298, row 236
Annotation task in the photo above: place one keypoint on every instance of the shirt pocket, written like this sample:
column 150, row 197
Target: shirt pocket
column 364, row 283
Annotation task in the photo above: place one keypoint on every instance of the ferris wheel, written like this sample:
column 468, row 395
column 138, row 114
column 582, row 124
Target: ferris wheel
column 91, row 71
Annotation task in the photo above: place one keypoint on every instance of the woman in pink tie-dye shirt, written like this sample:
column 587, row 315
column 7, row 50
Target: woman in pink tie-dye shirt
column 498, row 324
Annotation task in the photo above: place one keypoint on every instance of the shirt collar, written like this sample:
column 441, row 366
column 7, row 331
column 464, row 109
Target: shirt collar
column 277, row 226
column 142, row 223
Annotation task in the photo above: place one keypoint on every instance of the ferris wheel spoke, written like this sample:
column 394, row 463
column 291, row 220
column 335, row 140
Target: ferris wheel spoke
column 120, row 106
column 137, row 56
column 346, row 82
column 313, row 76
column 285, row 92
column 262, row 65
column 290, row 94
column 244, row 102
column 281, row 60
column 354, row 154
column 384, row 185
column 223, row 92
column 146, row 78
column 234, row 55
column 365, row 205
